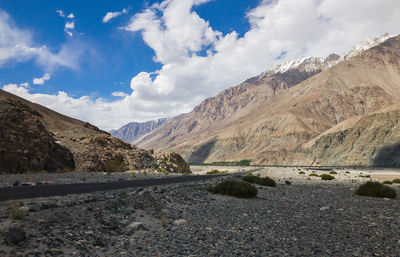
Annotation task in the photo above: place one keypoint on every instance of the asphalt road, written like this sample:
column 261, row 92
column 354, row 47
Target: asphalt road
column 25, row 192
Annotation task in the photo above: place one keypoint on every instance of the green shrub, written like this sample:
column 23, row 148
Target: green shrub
column 115, row 165
column 333, row 172
column 396, row 180
column 214, row 172
column 387, row 182
column 313, row 175
column 302, row 172
column 375, row 189
column 235, row 188
column 327, row 177
column 266, row 181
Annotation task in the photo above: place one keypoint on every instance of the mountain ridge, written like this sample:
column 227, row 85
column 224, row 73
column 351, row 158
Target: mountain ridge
column 291, row 114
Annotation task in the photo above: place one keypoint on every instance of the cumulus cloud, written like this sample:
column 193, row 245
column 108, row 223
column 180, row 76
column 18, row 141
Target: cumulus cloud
column 17, row 45
column 71, row 16
column 42, row 80
column 111, row 15
column 198, row 61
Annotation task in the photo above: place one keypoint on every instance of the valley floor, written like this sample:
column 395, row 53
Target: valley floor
column 306, row 218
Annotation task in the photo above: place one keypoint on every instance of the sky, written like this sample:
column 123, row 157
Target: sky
column 114, row 62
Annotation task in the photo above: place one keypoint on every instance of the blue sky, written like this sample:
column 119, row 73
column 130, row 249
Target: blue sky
column 113, row 62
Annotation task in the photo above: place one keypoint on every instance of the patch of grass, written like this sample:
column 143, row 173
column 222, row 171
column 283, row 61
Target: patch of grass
column 348, row 172
column 327, row 177
column 313, row 175
column 333, row 172
column 15, row 212
column 266, row 181
column 302, row 173
column 387, row 182
column 235, row 188
column 396, row 180
column 375, row 189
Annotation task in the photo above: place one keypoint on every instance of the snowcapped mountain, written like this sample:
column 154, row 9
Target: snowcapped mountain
column 315, row 64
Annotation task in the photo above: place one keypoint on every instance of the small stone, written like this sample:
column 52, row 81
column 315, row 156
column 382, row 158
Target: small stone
column 136, row 225
column 34, row 207
column 288, row 182
column 324, row 208
column 90, row 232
column 180, row 222
column 24, row 208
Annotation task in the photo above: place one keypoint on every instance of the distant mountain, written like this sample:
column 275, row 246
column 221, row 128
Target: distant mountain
column 281, row 116
column 35, row 138
column 134, row 130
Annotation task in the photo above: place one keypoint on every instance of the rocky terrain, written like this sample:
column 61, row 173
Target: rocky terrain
column 34, row 138
column 134, row 130
column 276, row 117
column 306, row 218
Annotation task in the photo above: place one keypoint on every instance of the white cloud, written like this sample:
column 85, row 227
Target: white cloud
column 25, row 84
column 71, row 16
column 42, row 80
column 119, row 94
column 111, row 15
column 70, row 25
column 61, row 13
column 17, row 45
column 199, row 61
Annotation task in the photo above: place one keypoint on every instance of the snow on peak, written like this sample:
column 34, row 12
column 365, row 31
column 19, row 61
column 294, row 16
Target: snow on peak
column 312, row 64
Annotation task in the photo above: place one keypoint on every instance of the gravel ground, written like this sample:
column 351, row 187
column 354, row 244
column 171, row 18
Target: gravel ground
column 315, row 219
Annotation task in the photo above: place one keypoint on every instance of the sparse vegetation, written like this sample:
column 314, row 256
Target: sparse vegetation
column 387, row 182
column 302, row 173
column 313, row 175
column 124, row 194
column 396, row 180
column 16, row 213
column 327, row 177
column 235, row 188
column 375, row 189
column 266, row 181
column 333, row 172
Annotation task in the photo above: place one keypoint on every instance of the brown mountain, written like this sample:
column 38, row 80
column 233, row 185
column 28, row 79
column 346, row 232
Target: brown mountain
column 280, row 118
column 33, row 137
column 134, row 130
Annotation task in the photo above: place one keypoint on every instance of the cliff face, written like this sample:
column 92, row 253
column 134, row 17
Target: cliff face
column 34, row 138
column 134, row 130
column 270, row 117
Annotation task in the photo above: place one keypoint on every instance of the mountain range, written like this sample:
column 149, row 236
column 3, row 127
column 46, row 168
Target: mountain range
column 134, row 130
column 338, row 110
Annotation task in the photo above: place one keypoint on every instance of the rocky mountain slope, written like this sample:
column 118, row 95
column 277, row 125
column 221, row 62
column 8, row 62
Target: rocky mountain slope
column 270, row 117
column 134, row 130
column 33, row 138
